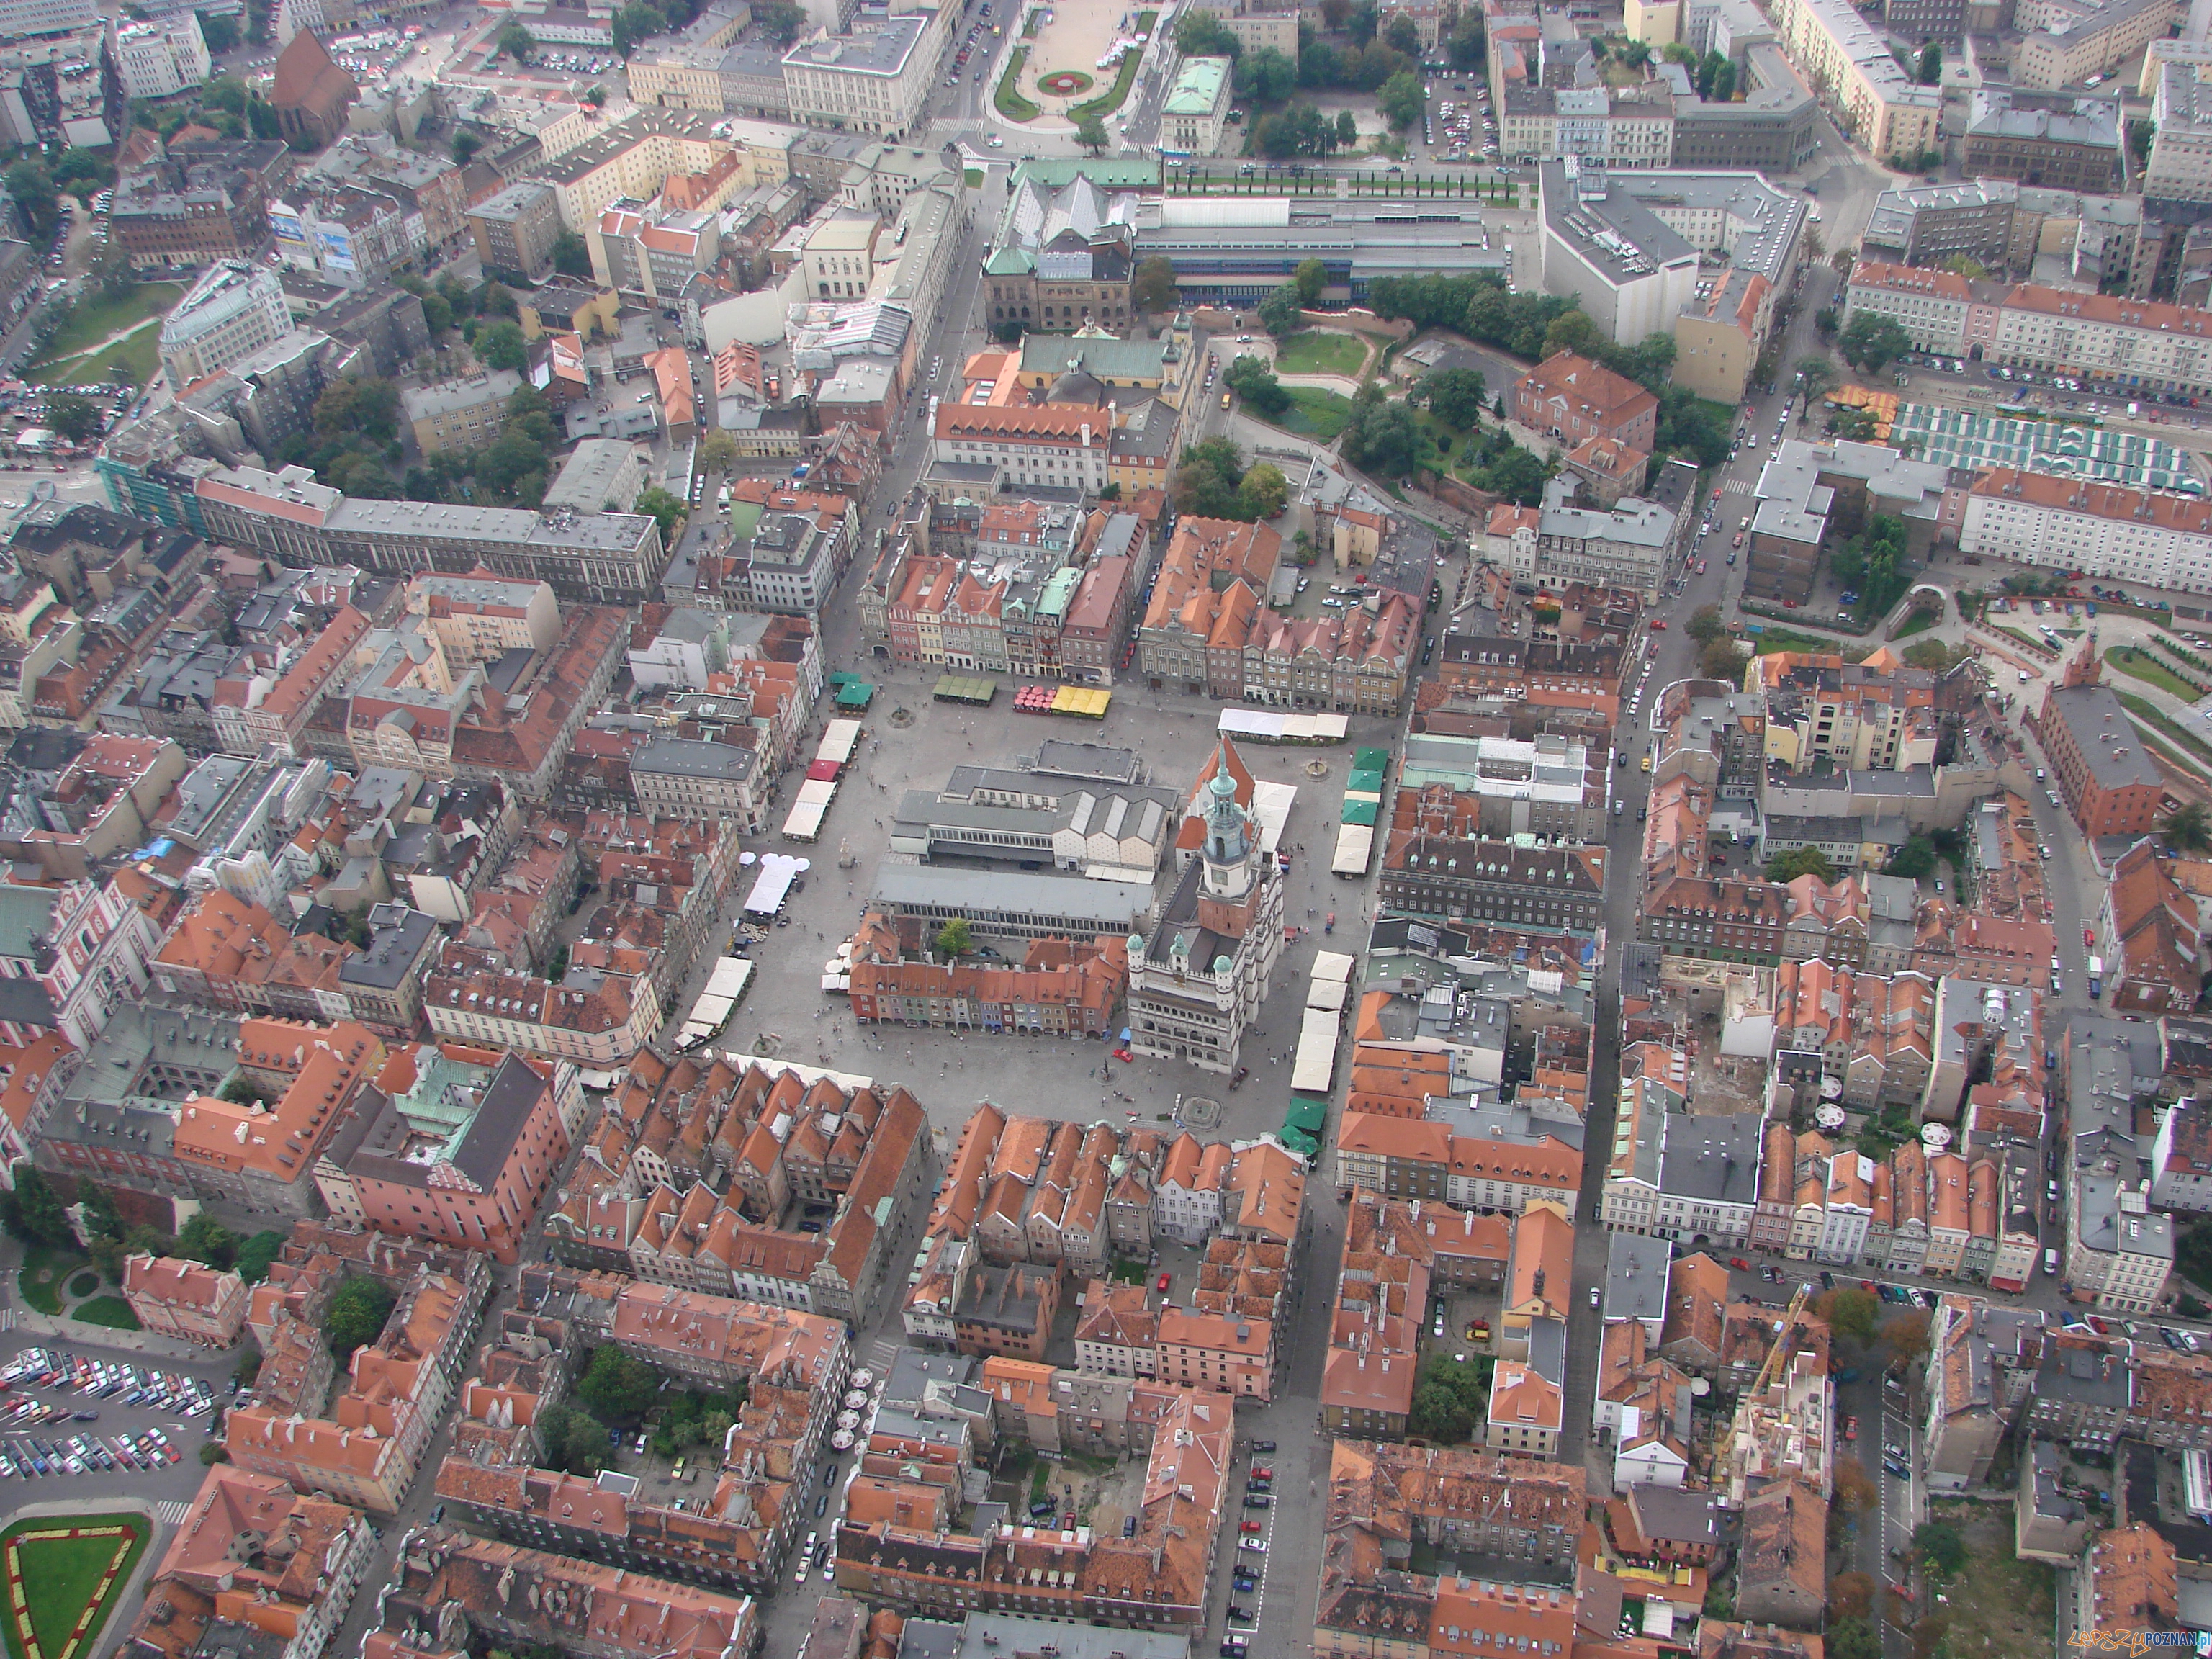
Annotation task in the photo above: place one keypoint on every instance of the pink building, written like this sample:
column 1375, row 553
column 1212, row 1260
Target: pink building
column 173, row 1297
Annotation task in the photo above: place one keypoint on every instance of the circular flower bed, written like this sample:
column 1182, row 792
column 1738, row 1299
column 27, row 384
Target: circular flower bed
column 1064, row 83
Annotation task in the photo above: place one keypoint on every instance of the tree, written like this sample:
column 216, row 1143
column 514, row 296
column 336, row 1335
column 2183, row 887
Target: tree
column 1401, row 99
column 1464, row 47
column 1724, row 82
column 616, row 1387
column 84, row 173
column 1439, row 1418
column 517, row 42
column 256, row 1254
column 1849, row 1311
column 1819, row 374
column 657, row 503
column 357, row 1315
column 206, row 1240
column 633, row 23
column 1801, row 861
column 2187, row 829
column 1251, row 379
column 221, row 33
column 1153, row 286
column 1263, row 492
column 572, row 1440
column 1869, row 341
column 1853, row 1638
column 466, row 146
column 717, row 451
column 1454, row 396
column 2140, row 134
column 1575, row 331
column 572, row 256
column 1404, row 35
column 1363, row 21
column 1723, row 659
column 1383, row 437
column 956, row 937
column 1915, row 860
column 1904, row 1332
column 1201, row 34
column 1309, row 279
column 1266, row 76
column 364, row 404
column 1090, row 133
column 1855, row 1490
column 1930, row 72
column 596, row 96
column 1347, row 130
column 75, row 418
column 715, row 1427
column 36, row 203
column 1941, row 1547
column 32, row 1211
column 1705, row 625
column 112, row 270
column 781, row 20
column 1280, row 313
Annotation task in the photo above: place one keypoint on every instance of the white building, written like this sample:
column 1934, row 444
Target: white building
column 20, row 17
column 2100, row 530
column 1930, row 305
column 874, row 79
column 2179, row 167
column 232, row 312
column 1629, row 270
column 73, row 952
column 1197, row 107
column 161, row 58
column 2135, row 343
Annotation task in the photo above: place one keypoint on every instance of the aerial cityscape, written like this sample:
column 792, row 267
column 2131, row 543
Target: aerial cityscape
column 1538, row 672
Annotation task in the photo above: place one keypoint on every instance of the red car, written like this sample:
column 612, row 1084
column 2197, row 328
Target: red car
column 1162, row 1283
column 2088, row 939
column 1659, row 624
column 1261, row 1472
column 1739, row 1264
column 1249, row 1526
column 1851, row 1428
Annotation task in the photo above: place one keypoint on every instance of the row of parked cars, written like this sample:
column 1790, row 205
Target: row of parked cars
column 85, row 1454
column 101, row 1379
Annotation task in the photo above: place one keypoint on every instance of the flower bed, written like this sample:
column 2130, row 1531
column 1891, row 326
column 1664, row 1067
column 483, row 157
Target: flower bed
column 63, row 1576
column 1064, row 83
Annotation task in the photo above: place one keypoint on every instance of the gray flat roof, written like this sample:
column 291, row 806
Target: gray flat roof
column 2092, row 711
column 692, row 758
column 1098, row 906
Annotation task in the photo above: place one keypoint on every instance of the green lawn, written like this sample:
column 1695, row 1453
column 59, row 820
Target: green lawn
column 140, row 355
column 1918, row 621
column 1320, row 351
column 973, row 177
column 2141, row 666
column 1314, row 413
column 45, row 1271
column 2149, row 714
column 62, row 1577
column 112, row 1311
column 2041, row 651
column 1109, row 101
column 85, row 1284
column 1008, row 99
column 95, row 320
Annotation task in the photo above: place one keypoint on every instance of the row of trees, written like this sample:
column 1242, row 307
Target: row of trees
column 1873, row 562
column 34, row 1212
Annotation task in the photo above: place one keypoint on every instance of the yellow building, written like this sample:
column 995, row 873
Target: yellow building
column 1852, row 70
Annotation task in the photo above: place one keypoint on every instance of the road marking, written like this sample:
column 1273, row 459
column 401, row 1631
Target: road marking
column 1736, row 487
column 172, row 1513
column 6, row 1319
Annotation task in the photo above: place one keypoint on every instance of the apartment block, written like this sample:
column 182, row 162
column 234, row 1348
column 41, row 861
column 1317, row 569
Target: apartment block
column 2102, row 530
column 231, row 313
column 1851, row 70
column 177, row 1297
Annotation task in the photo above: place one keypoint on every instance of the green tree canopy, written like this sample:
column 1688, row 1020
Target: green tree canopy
column 75, row 419
column 1705, row 624
column 357, row 1315
column 1266, row 76
column 517, row 42
column 1200, row 33
column 2187, row 829
column 1849, row 1312
column 957, row 937
column 1309, row 279
column 1454, row 396
column 1941, row 1547
column 1090, row 133
column 1213, row 482
column 1915, row 860
column 1384, row 438
column 1403, row 35
column 501, row 345
column 634, row 22
column 572, row 256
column 1439, row 1418
column 221, row 33
column 256, row 1254
column 781, row 20
column 1930, row 71
column 1402, row 99
column 616, row 1387
column 1870, row 341
column 1279, row 311
column 657, row 503
column 1800, row 861
column 31, row 1210
column 574, row 1440
column 1263, row 492
column 1152, row 288
column 206, row 1240
column 717, row 451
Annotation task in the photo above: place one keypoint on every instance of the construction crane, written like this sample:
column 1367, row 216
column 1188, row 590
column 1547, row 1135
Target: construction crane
column 1776, row 1355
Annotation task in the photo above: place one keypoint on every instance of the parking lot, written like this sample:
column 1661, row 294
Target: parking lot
column 68, row 1414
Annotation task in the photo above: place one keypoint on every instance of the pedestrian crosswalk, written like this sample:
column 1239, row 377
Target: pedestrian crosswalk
column 6, row 1319
column 881, row 1353
column 172, row 1514
column 1736, row 487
